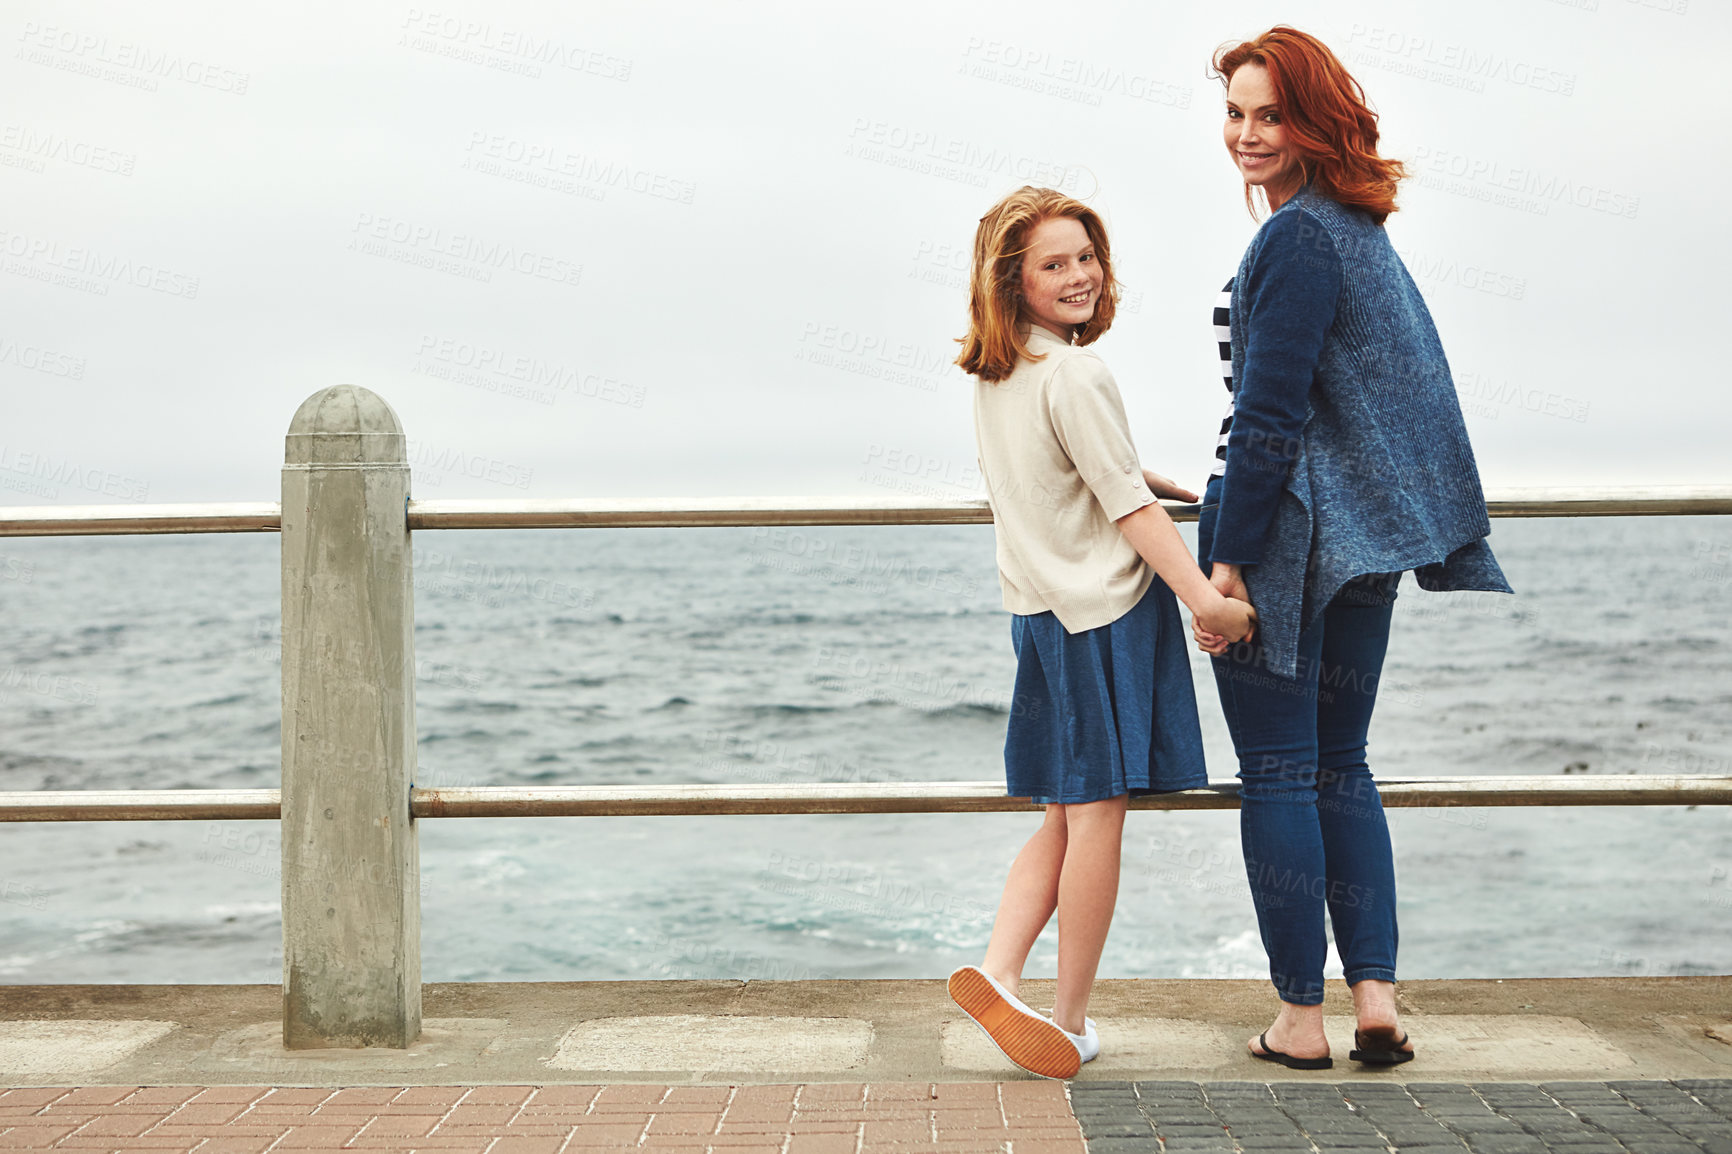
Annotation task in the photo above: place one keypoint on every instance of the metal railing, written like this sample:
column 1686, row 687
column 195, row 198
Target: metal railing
column 829, row 797
column 351, row 952
column 688, row 513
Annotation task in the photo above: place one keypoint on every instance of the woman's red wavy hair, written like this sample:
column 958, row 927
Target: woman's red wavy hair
column 1327, row 120
column 995, row 306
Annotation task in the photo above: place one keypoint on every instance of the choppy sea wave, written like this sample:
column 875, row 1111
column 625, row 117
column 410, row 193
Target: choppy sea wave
column 873, row 654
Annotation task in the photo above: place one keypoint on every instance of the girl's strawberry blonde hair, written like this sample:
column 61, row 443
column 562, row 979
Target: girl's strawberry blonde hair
column 994, row 340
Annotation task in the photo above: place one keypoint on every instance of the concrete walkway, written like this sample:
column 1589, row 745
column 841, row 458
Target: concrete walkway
column 735, row 1033
column 1575, row 1066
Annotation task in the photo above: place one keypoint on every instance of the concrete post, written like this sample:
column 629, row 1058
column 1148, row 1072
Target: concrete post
column 351, row 867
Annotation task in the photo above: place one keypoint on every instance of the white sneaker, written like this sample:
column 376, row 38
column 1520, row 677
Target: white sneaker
column 1088, row 1045
column 1029, row 1038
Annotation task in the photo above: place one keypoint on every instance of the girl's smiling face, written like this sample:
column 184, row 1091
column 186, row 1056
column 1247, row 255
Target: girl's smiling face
column 1256, row 138
column 1061, row 278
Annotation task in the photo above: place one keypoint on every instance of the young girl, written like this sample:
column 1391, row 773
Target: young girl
column 1089, row 563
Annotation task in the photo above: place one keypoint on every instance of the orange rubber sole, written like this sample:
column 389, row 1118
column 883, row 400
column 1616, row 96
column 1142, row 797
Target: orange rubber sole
column 1039, row 1047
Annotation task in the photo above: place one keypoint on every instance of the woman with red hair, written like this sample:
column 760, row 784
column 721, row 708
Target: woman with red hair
column 1343, row 463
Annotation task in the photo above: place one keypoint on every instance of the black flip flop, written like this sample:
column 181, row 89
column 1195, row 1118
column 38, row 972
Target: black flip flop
column 1379, row 1047
column 1271, row 1054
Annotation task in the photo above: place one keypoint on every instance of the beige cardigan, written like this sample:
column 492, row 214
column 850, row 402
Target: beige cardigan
column 1056, row 455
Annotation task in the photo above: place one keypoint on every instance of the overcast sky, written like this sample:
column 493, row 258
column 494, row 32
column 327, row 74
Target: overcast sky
column 720, row 249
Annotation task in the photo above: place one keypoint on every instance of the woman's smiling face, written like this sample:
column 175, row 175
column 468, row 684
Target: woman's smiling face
column 1061, row 278
column 1256, row 138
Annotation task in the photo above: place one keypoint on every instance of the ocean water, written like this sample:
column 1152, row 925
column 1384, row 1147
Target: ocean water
column 872, row 654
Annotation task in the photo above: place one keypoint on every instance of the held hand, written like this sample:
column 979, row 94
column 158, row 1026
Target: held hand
column 1167, row 489
column 1211, row 643
column 1231, row 619
column 1229, row 581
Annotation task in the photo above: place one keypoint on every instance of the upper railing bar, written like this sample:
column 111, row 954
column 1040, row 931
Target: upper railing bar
column 107, row 520
column 832, row 797
column 688, row 512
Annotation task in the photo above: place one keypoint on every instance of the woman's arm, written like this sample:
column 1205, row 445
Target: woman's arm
column 1289, row 296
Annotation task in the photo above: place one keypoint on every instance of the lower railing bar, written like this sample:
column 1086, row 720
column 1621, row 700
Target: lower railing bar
column 687, row 512
column 140, row 804
column 831, row 797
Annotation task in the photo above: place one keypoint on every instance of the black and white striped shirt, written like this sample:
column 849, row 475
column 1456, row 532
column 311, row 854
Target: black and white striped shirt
column 1224, row 340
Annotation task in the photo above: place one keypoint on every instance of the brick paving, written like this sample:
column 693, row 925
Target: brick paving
column 1374, row 1117
column 827, row 1118
column 1026, row 1117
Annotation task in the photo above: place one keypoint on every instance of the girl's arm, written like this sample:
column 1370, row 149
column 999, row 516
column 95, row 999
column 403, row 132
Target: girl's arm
column 1088, row 419
column 1156, row 539
column 1168, row 489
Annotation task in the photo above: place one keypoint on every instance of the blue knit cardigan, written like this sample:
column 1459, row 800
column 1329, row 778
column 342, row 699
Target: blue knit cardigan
column 1347, row 453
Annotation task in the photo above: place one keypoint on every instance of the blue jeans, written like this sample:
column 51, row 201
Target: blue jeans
column 1310, row 821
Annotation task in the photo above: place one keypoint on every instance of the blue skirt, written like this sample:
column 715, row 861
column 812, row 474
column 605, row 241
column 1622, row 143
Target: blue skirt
column 1105, row 711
